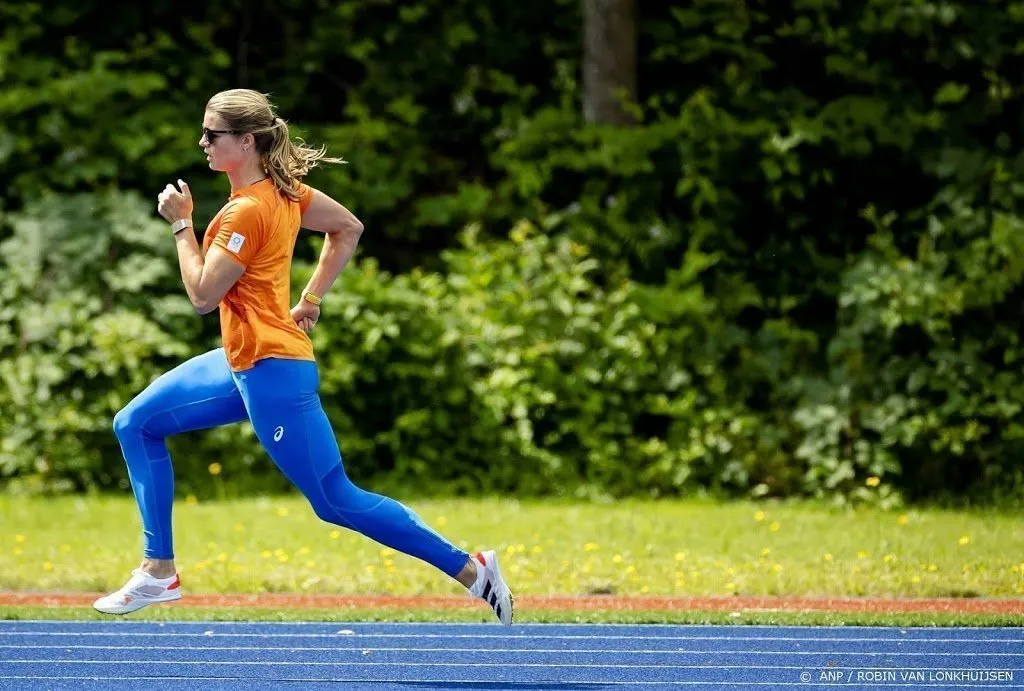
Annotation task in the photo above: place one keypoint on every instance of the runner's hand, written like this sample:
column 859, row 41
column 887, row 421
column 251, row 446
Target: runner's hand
column 306, row 314
column 173, row 204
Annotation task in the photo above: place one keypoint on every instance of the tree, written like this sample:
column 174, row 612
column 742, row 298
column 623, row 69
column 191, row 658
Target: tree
column 609, row 60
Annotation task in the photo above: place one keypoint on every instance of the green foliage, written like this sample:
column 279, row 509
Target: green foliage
column 799, row 271
column 79, row 333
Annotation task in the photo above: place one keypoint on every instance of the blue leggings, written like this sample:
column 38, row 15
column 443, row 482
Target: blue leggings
column 280, row 398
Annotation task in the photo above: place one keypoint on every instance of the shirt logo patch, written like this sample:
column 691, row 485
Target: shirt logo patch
column 235, row 242
column 278, row 433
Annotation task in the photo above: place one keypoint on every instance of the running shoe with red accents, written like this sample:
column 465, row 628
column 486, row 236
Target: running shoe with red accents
column 140, row 590
column 491, row 587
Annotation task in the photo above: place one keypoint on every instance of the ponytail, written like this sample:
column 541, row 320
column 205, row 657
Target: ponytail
column 287, row 162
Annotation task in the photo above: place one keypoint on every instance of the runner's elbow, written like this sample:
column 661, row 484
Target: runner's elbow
column 204, row 307
column 348, row 224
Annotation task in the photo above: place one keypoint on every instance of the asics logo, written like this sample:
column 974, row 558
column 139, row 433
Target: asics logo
column 278, row 433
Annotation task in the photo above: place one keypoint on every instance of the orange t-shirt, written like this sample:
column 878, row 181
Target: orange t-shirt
column 257, row 229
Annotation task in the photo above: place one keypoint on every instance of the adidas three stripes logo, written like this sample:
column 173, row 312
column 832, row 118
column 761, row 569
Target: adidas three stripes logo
column 492, row 598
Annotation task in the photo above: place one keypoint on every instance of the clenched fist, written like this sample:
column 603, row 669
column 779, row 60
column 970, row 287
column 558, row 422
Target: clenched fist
column 174, row 204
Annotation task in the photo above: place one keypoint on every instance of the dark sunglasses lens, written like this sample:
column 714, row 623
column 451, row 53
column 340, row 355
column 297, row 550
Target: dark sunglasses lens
column 211, row 136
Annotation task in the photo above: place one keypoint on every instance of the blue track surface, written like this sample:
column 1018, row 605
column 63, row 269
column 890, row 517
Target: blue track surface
column 146, row 655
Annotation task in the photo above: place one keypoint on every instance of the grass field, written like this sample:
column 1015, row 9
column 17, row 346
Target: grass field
column 90, row 544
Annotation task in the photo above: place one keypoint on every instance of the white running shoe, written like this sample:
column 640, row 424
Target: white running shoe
column 140, row 590
column 491, row 587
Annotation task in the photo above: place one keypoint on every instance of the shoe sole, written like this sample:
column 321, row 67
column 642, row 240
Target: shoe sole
column 136, row 605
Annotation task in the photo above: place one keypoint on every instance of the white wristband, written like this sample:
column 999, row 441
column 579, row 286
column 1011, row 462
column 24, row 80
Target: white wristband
column 181, row 224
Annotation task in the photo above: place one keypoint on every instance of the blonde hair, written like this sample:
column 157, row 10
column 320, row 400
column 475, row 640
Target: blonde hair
column 285, row 161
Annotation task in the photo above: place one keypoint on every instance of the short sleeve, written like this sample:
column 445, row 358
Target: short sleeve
column 305, row 196
column 241, row 231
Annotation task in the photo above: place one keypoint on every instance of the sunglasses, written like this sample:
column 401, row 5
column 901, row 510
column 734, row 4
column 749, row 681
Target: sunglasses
column 211, row 135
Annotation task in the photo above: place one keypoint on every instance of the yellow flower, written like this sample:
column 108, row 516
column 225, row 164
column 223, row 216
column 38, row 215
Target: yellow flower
column 17, row 550
column 617, row 559
column 239, row 528
column 441, row 521
column 903, row 520
column 282, row 558
column 222, row 557
column 310, row 564
column 645, row 589
column 214, row 468
column 828, row 556
column 65, row 548
column 680, row 556
column 589, row 547
column 777, row 568
column 765, row 552
column 303, row 550
column 759, row 516
column 889, row 558
column 915, row 579
column 872, row 481
column 282, row 511
column 335, row 534
column 861, row 554
column 965, row 539
column 537, row 549
column 933, row 567
column 266, row 554
column 47, row 566
column 730, row 586
column 774, row 527
column 19, row 538
column 191, row 500
column 630, row 569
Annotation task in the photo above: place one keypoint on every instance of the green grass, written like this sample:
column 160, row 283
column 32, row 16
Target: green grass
column 177, row 612
column 668, row 547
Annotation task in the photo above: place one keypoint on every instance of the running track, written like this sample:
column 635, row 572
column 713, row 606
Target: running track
column 123, row 654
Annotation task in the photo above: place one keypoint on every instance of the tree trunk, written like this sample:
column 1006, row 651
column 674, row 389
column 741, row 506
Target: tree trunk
column 609, row 60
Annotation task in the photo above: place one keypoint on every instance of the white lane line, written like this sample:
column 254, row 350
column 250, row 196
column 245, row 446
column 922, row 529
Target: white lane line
column 356, row 680
column 263, row 648
column 415, row 624
column 808, row 639
column 773, row 684
column 830, row 668
column 214, row 634
column 709, row 651
column 485, row 651
column 545, row 665
column 844, row 639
